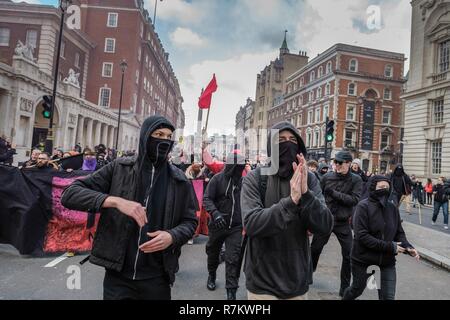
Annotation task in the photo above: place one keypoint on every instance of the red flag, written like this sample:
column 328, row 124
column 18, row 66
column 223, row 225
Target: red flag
column 204, row 102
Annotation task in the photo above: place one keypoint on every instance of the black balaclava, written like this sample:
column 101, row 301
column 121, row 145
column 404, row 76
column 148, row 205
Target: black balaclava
column 381, row 195
column 234, row 166
column 288, row 154
column 158, row 150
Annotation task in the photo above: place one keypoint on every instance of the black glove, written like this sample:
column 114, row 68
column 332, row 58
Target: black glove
column 328, row 191
column 218, row 221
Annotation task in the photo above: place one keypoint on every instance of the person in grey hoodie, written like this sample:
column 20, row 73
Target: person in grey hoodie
column 277, row 211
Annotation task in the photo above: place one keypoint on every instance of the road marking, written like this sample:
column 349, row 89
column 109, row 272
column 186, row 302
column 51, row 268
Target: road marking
column 56, row 261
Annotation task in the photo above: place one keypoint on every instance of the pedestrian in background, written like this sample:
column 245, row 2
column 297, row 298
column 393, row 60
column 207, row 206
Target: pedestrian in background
column 441, row 193
column 401, row 187
column 429, row 191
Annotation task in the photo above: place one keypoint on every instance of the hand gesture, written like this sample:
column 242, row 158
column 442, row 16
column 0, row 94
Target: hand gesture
column 161, row 240
column 296, row 182
column 134, row 210
column 413, row 253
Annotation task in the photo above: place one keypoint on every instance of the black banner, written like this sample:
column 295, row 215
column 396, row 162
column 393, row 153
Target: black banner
column 368, row 125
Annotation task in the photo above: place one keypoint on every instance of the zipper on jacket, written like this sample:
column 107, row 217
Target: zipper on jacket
column 140, row 229
column 382, row 237
column 232, row 209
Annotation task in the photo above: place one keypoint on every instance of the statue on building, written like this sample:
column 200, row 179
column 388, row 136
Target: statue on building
column 72, row 78
column 25, row 50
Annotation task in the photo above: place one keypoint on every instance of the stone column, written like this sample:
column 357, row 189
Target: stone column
column 80, row 131
column 89, row 140
column 97, row 133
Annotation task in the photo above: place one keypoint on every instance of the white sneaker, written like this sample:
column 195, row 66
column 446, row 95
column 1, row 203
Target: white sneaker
column 191, row 241
column 433, row 223
column 446, row 227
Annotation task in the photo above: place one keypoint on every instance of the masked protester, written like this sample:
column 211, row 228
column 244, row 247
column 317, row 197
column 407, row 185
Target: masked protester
column 401, row 187
column 378, row 238
column 89, row 160
column 147, row 212
column 278, row 210
column 323, row 170
column 222, row 201
column 342, row 190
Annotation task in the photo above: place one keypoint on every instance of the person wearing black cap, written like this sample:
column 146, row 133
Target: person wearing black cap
column 147, row 211
column 222, row 201
column 278, row 209
column 378, row 238
column 342, row 190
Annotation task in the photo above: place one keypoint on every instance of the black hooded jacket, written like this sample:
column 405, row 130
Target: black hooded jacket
column 377, row 229
column 401, row 183
column 121, row 178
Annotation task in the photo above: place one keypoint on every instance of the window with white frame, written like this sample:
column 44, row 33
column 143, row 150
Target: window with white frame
column 142, row 30
column 327, row 89
column 436, row 156
column 302, row 82
column 385, row 141
column 387, row 114
column 112, row 19
column 311, row 96
column 104, row 97
column 77, row 60
column 299, row 120
column 320, row 72
column 353, row 65
column 32, row 38
column 349, row 138
column 351, row 112
column 387, row 94
column 107, row 70
column 139, row 54
column 308, row 138
column 63, row 49
column 310, row 116
column 295, row 85
column 312, row 76
column 352, row 89
column 388, row 71
column 5, row 34
column 317, row 117
column 444, row 56
column 319, row 93
column 438, row 111
column 326, row 109
column 110, row 45
column 328, row 68
column 316, row 138
column 137, row 76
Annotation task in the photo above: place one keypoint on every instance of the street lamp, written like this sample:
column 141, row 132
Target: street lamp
column 63, row 5
column 154, row 14
column 123, row 67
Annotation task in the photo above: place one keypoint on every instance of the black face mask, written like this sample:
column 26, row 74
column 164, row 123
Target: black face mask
column 158, row 150
column 380, row 195
column 234, row 171
column 288, row 154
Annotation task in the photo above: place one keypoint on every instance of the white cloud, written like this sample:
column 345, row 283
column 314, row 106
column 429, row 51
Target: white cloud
column 183, row 37
column 177, row 10
column 236, row 79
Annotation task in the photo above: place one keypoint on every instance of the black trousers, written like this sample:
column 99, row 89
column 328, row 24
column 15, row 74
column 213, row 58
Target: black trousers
column 117, row 287
column 233, row 241
column 386, row 289
column 344, row 234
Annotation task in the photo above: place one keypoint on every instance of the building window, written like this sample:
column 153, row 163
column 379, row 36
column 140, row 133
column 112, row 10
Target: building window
column 327, row 89
column 436, row 157
column 387, row 94
column 444, row 56
column 142, row 30
column 349, row 138
column 105, row 97
column 320, row 73
column 32, row 38
column 112, row 19
column 77, row 60
column 438, row 111
column 352, row 89
column 299, row 120
column 325, row 112
column 384, row 142
column 328, row 69
column 139, row 54
column 310, row 116
column 137, row 76
column 312, row 76
column 311, row 96
column 353, row 65
column 387, row 116
column 110, row 45
column 319, row 93
column 317, row 119
column 63, row 49
column 308, row 139
column 388, row 71
column 4, row 37
column 350, row 113
column 295, row 85
column 316, row 138
column 107, row 69
column 302, row 82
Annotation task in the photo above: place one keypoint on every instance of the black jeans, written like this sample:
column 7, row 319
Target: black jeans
column 386, row 289
column 117, row 287
column 233, row 241
column 344, row 234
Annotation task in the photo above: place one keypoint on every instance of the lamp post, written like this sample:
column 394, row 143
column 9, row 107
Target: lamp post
column 154, row 14
column 123, row 67
column 63, row 5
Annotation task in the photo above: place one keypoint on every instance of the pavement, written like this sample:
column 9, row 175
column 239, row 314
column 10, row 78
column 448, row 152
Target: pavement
column 432, row 242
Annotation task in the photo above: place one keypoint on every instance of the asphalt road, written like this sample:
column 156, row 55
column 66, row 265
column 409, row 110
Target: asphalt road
column 427, row 214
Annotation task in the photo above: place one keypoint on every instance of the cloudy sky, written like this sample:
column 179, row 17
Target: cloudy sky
column 235, row 39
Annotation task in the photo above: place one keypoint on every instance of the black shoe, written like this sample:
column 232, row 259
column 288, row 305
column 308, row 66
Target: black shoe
column 341, row 293
column 231, row 294
column 211, row 284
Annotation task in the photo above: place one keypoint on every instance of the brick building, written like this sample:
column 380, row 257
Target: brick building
column 359, row 88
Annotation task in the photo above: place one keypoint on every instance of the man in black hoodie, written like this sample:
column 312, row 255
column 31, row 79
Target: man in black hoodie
column 278, row 209
column 222, row 200
column 401, row 187
column 342, row 190
column 147, row 211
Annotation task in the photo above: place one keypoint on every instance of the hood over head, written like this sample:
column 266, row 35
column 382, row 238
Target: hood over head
column 234, row 165
column 285, row 125
column 398, row 171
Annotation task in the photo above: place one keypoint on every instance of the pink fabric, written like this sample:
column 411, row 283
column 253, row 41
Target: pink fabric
column 202, row 215
column 66, row 231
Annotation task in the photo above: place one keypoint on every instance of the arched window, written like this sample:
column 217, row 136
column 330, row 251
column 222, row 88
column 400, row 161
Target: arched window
column 328, row 69
column 320, row 74
column 312, row 76
column 353, row 65
column 327, row 89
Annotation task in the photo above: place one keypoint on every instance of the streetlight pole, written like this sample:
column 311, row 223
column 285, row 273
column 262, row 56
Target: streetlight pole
column 63, row 5
column 123, row 67
column 154, row 13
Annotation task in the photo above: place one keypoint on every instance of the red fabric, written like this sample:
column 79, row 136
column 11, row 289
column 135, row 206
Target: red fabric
column 429, row 188
column 66, row 230
column 215, row 166
column 204, row 102
column 202, row 215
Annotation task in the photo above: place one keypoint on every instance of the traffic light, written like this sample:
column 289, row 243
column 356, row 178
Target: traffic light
column 329, row 135
column 47, row 104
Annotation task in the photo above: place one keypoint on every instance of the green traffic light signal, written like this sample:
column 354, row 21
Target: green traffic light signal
column 329, row 137
column 47, row 114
